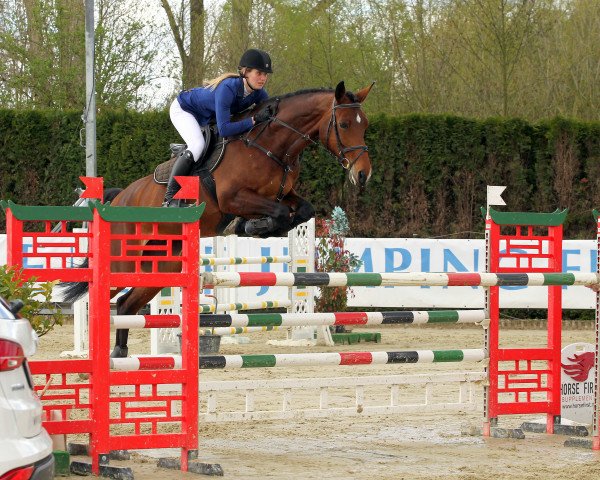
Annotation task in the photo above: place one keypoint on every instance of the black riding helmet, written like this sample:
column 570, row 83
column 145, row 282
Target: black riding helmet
column 257, row 59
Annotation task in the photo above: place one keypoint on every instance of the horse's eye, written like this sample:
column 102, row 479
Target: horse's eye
column 344, row 125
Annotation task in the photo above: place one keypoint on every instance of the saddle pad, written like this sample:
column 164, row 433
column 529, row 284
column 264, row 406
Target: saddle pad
column 163, row 171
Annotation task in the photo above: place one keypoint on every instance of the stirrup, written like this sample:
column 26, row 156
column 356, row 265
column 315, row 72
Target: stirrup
column 175, row 203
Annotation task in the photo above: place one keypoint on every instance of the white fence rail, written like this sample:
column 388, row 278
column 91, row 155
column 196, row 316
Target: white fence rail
column 294, row 394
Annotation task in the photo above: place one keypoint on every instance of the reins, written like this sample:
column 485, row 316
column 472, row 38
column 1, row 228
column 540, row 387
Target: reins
column 332, row 125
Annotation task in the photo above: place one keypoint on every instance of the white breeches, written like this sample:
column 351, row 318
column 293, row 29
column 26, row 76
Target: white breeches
column 188, row 128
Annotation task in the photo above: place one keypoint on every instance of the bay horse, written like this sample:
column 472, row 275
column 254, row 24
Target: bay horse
column 255, row 177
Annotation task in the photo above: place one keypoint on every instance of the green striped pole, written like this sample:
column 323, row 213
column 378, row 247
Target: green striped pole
column 342, row 318
column 341, row 358
column 244, row 260
column 255, row 279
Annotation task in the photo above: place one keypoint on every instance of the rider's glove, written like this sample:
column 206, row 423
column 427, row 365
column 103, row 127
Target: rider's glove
column 265, row 114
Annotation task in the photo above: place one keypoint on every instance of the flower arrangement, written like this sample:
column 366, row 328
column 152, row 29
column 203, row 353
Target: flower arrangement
column 331, row 256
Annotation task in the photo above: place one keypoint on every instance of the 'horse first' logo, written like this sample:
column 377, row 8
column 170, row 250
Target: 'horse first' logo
column 580, row 367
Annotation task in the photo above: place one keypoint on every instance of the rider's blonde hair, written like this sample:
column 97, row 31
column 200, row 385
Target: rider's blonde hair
column 214, row 83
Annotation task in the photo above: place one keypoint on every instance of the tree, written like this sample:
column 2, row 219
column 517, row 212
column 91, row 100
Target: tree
column 44, row 46
column 127, row 54
column 579, row 56
column 317, row 43
column 239, row 31
column 489, row 38
column 415, row 79
column 529, row 58
column 188, row 33
column 42, row 42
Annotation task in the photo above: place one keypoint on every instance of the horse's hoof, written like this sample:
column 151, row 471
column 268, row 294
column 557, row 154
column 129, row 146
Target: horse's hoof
column 232, row 227
column 176, row 203
column 119, row 352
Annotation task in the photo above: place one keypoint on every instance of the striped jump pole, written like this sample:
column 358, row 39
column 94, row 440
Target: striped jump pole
column 302, row 359
column 341, row 358
column 246, row 323
column 174, row 321
column 243, row 260
column 342, row 318
column 250, row 279
column 145, row 321
column 224, row 307
column 221, row 331
column 149, row 362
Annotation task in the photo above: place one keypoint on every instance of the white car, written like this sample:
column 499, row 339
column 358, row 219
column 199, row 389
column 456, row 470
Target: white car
column 25, row 447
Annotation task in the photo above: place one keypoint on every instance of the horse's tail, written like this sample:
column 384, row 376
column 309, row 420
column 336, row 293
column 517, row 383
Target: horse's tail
column 111, row 193
column 72, row 291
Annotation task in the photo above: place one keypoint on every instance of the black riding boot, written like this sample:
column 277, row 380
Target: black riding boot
column 182, row 167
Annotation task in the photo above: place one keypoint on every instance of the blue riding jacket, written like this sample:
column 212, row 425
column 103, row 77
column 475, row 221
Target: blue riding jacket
column 228, row 98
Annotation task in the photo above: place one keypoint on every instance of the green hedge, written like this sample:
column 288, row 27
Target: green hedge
column 429, row 171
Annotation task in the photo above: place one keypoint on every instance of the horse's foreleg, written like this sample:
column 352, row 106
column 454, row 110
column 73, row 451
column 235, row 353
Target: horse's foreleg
column 136, row 298
column 272, row 216
column 130, row 304
column 302, row 210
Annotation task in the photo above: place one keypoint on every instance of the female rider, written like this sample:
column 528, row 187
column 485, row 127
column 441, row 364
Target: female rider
column 220, row 98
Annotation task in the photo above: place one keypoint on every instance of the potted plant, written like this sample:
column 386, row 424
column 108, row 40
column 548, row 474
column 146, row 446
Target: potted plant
column 332, row 256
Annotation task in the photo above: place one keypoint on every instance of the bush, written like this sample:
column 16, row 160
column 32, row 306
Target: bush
column 14, row 286
column 429, row 171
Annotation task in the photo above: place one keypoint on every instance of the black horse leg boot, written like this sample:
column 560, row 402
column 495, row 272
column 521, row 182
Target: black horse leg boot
column 182, row 167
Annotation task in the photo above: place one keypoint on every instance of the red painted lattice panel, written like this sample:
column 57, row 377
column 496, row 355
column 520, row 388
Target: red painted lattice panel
column 524, row 380
column 84, row 394
column 65, row 388
column 45, row 254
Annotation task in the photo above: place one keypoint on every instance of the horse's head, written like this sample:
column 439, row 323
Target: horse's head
column 342, row 131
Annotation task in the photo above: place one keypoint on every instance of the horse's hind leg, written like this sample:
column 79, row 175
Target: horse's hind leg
column 130, row 304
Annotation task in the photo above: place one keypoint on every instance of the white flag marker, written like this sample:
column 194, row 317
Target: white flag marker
column 494, row 195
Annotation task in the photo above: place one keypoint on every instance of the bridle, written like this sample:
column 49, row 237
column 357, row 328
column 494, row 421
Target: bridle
column 332, row 125
column 341, row 148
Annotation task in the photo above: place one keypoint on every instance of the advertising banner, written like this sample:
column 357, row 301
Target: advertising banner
column 578, row 377
column 413, row 255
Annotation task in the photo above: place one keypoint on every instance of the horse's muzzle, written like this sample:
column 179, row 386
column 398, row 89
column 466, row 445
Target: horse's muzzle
column 362, row 178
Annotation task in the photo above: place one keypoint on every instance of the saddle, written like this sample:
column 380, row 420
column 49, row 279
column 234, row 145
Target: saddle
column 210, row 157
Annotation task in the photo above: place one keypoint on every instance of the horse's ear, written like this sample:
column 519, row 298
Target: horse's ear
column 362, row 94
column 340, row 91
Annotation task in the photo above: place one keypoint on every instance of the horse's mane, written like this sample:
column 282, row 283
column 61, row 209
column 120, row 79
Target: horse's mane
column 297, row 93
column 307, row 91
